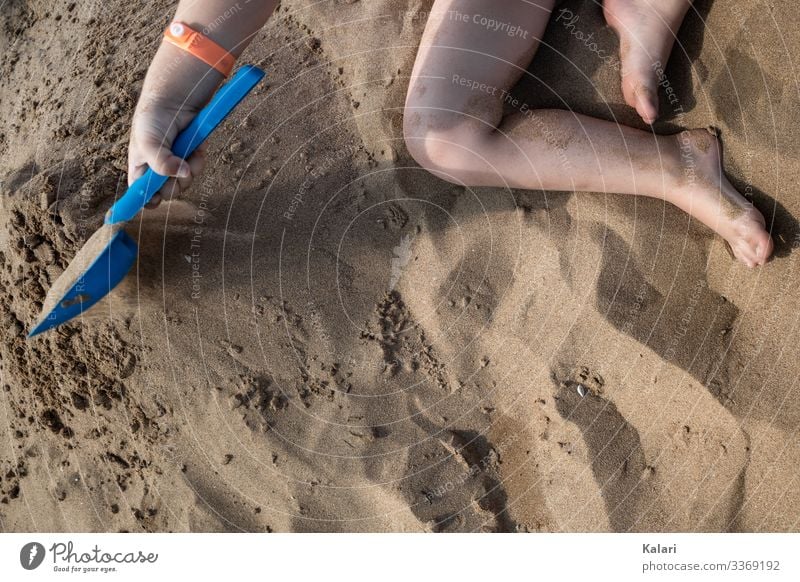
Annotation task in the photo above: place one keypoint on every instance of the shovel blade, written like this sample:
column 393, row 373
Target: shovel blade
column 103, row 274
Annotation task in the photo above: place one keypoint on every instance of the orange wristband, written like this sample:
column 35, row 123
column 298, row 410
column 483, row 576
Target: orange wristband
column 200, row 46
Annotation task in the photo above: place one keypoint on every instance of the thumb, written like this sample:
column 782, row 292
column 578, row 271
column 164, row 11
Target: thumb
column 162, row 160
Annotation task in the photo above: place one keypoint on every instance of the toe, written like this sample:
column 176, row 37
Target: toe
column 754, row 247
column 745, row 255
column 763, row 248
column 646, row 104
column 639, row 84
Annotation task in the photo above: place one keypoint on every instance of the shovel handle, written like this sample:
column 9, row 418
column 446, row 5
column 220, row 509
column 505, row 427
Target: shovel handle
column 222, row 103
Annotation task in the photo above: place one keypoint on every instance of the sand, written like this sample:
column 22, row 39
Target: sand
column 326, row 338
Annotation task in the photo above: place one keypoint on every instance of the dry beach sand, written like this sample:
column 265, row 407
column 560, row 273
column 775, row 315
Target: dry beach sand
column 323, row 337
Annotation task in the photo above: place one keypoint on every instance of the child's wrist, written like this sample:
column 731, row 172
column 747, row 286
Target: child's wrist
column 178, row 78
column 200, row 46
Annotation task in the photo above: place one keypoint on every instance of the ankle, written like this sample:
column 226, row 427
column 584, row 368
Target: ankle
column 678, row 161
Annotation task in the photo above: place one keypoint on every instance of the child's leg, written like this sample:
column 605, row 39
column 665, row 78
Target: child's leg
column 470, row 56
column 646, row 30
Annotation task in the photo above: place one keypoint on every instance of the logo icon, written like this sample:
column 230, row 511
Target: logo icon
column 31, row 555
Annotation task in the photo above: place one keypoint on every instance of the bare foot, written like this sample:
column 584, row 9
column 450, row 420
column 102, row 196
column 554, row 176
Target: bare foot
column 704, row 192
column 646, row 30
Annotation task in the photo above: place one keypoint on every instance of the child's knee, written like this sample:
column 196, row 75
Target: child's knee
column 427, row 146
column 445, row 150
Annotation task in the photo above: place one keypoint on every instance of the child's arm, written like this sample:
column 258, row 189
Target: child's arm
column 178, row 84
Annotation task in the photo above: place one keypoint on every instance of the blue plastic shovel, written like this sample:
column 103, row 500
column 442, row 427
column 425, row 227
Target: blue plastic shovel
column 110, row 253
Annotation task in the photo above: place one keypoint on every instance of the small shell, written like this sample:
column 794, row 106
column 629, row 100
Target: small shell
column 581, row 390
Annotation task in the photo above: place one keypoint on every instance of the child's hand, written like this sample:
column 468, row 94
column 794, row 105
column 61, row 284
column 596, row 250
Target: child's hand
column 156, row 123
column 177, row 86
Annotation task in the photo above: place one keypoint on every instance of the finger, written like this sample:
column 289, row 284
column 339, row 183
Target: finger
column 170, row 189
column 135, row 165
column 154, row 201
column 197, row 163
column 184, row 184
column 135, row 170
column 162, row 160
column 175, row 186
